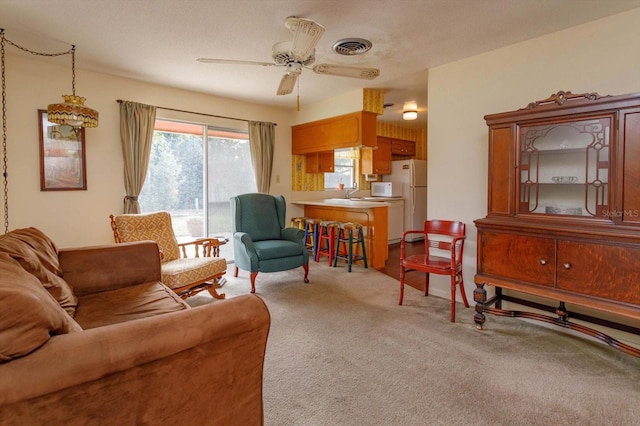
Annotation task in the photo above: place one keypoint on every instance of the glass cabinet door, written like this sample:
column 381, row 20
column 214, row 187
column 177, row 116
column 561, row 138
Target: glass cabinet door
column 564, row 168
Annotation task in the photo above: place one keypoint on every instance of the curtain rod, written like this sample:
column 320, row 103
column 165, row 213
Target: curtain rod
column 198, row 113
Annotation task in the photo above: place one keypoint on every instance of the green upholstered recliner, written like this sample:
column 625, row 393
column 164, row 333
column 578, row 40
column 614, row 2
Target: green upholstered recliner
column 261, row 242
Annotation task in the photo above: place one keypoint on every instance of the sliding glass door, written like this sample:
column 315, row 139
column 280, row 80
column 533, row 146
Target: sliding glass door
column 193, row 176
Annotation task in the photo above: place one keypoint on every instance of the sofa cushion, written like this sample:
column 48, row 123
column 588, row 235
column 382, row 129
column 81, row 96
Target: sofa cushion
column 29, row 315
column 38, row 255
column 127, row 304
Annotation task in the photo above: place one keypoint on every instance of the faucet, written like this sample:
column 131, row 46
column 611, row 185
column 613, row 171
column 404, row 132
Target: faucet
column 350, row 192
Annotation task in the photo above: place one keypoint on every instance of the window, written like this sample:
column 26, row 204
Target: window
column 193, row 176
column 344, row 171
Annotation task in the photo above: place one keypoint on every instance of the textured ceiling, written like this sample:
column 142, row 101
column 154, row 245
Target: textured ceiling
column 159, row 40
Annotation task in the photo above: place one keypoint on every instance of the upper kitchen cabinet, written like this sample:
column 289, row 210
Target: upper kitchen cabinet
column 402, row 147
column 320, row 162
column 353, row 130
column 377, row 160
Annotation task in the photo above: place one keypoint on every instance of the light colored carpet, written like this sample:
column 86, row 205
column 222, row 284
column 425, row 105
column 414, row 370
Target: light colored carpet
column 342, row 352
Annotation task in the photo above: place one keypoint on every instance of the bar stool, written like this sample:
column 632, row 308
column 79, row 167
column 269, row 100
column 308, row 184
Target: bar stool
column 326, row 242
column 298, row 222
column 311, row 229
column 350, row 234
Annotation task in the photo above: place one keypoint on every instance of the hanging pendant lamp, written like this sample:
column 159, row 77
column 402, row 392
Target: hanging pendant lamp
column 72, row 111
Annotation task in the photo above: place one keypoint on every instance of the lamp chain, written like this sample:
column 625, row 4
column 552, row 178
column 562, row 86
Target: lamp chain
column 4, row 136
column 3, row 42
column 73, row 69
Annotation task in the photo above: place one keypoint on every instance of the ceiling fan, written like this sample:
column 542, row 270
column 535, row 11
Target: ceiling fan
column 299, row 53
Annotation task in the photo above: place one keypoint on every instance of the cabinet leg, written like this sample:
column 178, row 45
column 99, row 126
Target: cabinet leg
column 480, row 297
column 562, row 313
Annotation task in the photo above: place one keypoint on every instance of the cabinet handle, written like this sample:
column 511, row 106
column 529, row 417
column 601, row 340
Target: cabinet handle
column 543, row 261
column 566, row 265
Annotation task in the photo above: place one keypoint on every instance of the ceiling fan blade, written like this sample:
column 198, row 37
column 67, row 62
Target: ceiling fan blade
column 347, row 71
column 233, row 62
column 306, row 34
column 287, row 84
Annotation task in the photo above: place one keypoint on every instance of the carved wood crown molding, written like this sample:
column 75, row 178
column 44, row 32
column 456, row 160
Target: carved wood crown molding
column 561, row 97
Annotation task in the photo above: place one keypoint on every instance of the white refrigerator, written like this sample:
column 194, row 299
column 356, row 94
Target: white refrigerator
column 412, row 175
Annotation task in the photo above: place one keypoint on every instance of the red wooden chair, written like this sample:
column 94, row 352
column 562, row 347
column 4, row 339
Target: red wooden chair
column 440, row 236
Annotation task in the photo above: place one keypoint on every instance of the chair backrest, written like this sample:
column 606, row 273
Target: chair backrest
column 259, row 215
column 446, row 228
column 148, row 226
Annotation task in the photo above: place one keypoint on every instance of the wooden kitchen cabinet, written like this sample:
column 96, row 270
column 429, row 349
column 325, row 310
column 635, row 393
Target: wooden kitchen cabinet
column 403, row 147
column 320, row 162
column 353, row 130
column 563, row 211
column 377, row 160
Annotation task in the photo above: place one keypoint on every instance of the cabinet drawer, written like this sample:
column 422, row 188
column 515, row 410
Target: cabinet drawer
column 522, row 258
column 610, row 272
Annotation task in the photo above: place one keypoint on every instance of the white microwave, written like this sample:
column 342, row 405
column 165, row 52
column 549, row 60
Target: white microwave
column 386, row 189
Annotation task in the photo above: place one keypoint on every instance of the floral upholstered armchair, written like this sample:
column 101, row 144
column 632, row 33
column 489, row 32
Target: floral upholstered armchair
column 184, row 275
column 261, row 243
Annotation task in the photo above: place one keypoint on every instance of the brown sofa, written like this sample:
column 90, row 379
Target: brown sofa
column 91, row 336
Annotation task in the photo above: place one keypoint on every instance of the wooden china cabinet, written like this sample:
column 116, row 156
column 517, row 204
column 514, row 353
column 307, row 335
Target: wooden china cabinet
column 563, row 219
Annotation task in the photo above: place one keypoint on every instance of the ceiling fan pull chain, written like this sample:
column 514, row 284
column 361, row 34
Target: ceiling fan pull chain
column 298, row 98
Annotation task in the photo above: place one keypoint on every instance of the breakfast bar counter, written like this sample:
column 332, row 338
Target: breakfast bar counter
column 370, row 214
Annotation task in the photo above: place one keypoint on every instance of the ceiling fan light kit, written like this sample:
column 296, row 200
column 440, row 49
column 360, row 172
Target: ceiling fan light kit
column 299, row 52
column 409, row 115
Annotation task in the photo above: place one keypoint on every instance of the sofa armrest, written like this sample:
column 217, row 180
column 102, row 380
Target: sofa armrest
column 94, row 269
column 208, row 359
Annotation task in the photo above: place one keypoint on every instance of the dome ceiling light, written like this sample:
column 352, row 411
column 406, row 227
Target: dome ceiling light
column 410, row 115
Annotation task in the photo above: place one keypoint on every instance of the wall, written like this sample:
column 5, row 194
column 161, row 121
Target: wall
column 75, row 218
column 601, row 56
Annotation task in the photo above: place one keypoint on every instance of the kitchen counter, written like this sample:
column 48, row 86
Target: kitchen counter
column 371, row 214
column 363, row 202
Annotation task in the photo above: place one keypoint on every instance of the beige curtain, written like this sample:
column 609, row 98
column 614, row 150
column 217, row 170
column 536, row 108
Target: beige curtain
column 261, row 143
column 136, row 132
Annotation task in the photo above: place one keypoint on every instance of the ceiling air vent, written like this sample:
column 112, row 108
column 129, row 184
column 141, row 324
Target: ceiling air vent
column 352, row 46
